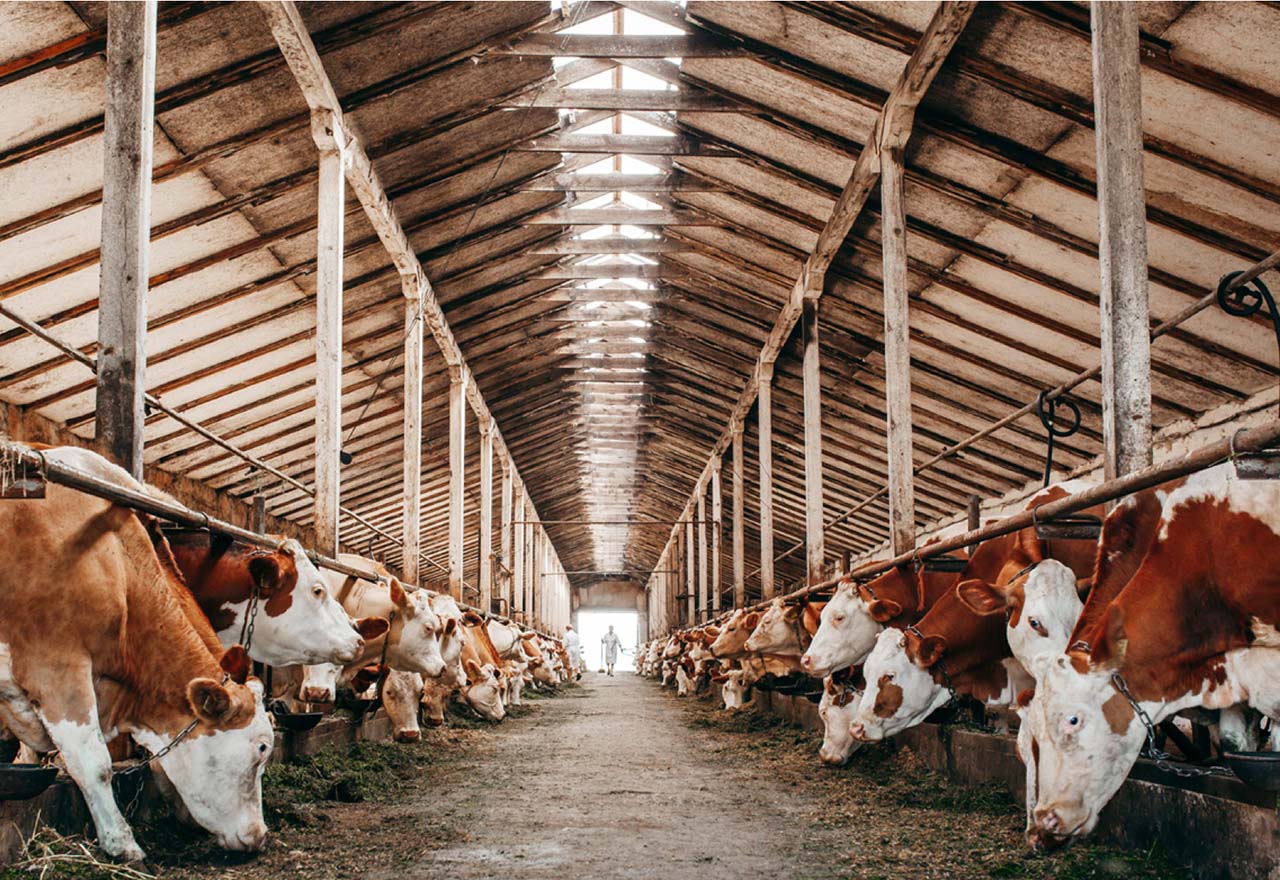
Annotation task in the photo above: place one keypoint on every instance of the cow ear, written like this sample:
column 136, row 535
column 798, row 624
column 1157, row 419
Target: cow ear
column 884, row 610
column 371, row 628
column 472, row 618
column 752, row 620
column 474, row 672
column 366, row 676
column 981, row 597
column 209, row 700
column 1024, row 698
column 929, row 650
column 450, row 625
column 265, row 571
column 399, row 597
column 714, row 632
column 1108, row 651
column 529, row 636
column 236, row 664
column 791, row 613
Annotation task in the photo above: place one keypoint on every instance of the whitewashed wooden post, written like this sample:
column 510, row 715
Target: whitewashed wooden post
column 897, row 351
column 739, row 507
column 507, row 485
column 486, row 515
column 517, row 552
column 457, row 473
column 329, row 251
column 412, row 488
column 126, row 232
column 815, row 549
column 717, row 513
column 764, row 420
column 1122, row 239
column 704, row 579
column 691, row 568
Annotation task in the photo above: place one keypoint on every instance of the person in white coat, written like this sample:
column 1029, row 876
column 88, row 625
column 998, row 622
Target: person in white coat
column 610, row 643
column 573, row 645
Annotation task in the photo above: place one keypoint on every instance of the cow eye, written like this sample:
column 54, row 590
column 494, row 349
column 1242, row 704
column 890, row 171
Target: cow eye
column 839, row 618
column 317, row 591
column 1073, row 720
column 262, row 749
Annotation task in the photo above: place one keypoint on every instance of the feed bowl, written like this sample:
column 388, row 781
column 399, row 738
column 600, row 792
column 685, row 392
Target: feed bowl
column 20, row 782
column 297, row 721
column 1259, row 769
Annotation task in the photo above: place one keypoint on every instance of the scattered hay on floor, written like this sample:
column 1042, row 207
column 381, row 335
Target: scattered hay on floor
column 48, row 855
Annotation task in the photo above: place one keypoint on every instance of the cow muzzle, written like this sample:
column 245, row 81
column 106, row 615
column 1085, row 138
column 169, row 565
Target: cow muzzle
column 1049, row 831
column 408, row 736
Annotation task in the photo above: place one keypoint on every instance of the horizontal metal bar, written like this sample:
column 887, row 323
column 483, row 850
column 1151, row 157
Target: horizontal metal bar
column 610, row 522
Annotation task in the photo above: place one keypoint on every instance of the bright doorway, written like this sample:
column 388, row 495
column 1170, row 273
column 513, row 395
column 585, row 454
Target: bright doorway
column 592, row 625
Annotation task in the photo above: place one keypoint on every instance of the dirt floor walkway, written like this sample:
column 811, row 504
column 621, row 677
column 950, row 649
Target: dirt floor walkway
column 609, row 782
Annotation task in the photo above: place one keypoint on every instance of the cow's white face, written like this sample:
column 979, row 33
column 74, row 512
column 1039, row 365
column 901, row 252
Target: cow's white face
column 484, row 691
column 899, row 693
column 846, row 634
column 672, row 649
column 733, row 691
column 682, row 681
column 434, row 695
column 451, row 637
column 401, row 696
column 1042, row 608
column 668, row 672
column 218, row 775
column 776, row 630
column 415, row 637
column 319, row 683
column 838, row 707
column 1086, row 738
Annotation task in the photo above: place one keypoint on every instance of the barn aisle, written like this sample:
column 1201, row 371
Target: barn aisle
column 608, row 782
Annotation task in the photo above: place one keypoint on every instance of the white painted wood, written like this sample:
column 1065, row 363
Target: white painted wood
column 1122, row 239
column 897, row 351
column 412, row 489
column 764, row 420
column 486, row 516
column 329, row 247
column 126, row 232
column 717, row 515
column 506, row 581
column 517, row 553
column 739, row 514
column 815, row 543
column 690, row 570
column 457, row 474
column 704, row 579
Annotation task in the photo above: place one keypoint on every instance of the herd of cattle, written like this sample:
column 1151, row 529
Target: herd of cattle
column 111, row 624
column 1173, row 610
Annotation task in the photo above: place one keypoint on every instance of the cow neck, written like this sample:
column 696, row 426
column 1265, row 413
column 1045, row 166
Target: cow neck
column 166, row 642
column 216, row 570
column 1194, row 599
column 973, row 641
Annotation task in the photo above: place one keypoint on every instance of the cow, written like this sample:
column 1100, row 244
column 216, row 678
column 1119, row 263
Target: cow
column 297, row 621
column 732, row 690
column 538, row 666
column 483, row 688
column 99, row 636
column 401, row 694
column 1195, row 626
column 785, row 628
column 841, row 692
column 951, row 651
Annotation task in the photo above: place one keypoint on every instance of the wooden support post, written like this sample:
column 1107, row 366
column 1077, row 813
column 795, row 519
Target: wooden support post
column 704, row 579
column 690, row 565
column 126, row 232
column 764, row 420
column 974, row 519
column 717, row 513
column 412, row 465
column 897, row 352
column 259, row 524
column 815, row 549
column 531, row 559
column 329, row 247
column 517, row 553
column 457, row 473
column 1122, row 239
column 507, row 486
column 486, row 516
column 739, row 533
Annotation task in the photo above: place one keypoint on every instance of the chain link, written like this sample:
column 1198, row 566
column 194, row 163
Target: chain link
column 1162, row 758
column 250, row 615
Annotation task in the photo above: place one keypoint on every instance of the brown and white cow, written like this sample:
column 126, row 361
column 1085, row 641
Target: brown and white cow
column 1195, row 626
column 538, row 666
column 401, row 693
column 297, row 620
column 480, row 660
column 98, row 636
column 841, row 692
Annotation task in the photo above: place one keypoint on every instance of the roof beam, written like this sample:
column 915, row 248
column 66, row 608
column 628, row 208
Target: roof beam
column 634, row 144
column 294, row 39
column 700, row 45
column 624, row 100
column 561, row 182
column 618, row 217
column 607, row 246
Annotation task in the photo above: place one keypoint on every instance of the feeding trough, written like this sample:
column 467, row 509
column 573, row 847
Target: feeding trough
column 297, row 721
column 20, row 782
column 1258, row 769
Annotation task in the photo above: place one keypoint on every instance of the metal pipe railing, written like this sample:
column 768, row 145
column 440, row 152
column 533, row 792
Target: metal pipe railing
column 1242, row 442
column 1163, row 328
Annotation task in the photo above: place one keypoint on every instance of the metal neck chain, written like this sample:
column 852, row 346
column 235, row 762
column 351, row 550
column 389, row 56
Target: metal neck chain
column 1161, row 758
column 250, row 615
column 146, row 760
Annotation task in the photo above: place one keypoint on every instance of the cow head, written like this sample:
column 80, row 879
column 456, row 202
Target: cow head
column 483, row 691
column 319, row 683
column 1041, row 607
column 217, row 770
column 1085, row 737
column 401, row 693
column 732, row 690
column 837, row 709
column 850, row 623
column 900, row 690
column 451, row 638
column 730, row 640
column 415, row 633
column 432, row 703
column 777, row 631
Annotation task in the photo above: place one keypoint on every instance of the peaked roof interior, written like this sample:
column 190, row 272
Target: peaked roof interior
column 613, row 200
